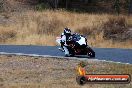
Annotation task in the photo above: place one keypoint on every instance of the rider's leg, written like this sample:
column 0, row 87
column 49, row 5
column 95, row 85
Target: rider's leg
column 62, row 44
column 66, row 51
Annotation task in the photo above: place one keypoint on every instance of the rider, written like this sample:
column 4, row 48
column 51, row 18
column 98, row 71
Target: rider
column 65, row 38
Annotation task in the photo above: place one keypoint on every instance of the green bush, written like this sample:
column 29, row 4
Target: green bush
column 42, row 6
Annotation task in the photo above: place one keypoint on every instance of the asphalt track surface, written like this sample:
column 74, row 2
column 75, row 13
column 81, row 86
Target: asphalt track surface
column 103, row 54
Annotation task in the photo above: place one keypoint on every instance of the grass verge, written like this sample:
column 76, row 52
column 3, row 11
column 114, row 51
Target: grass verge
column 37, row 72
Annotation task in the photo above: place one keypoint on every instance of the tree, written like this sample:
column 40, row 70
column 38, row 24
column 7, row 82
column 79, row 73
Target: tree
column 130, row 7
column 117, row 6
column 56, row 3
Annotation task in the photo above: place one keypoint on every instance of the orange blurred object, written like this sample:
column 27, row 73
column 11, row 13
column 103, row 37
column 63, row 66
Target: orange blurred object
column 82, row 71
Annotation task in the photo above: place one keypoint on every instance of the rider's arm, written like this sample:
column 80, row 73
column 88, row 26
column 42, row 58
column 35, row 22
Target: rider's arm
column 63, row 38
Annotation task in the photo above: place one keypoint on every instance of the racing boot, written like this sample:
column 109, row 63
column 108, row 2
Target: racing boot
column 61, row 49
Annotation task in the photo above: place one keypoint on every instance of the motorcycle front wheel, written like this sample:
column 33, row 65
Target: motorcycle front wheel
column 90, row 52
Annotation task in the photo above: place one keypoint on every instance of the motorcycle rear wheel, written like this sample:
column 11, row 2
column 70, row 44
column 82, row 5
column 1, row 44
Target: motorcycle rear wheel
column 71, row 52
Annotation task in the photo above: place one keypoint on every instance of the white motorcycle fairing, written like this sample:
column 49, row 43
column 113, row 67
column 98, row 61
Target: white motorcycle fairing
column 82, row 41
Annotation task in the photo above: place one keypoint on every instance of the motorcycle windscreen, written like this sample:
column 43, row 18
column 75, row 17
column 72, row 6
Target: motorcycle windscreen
column 76, row 37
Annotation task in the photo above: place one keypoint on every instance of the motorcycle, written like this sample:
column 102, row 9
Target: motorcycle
column 75, row 49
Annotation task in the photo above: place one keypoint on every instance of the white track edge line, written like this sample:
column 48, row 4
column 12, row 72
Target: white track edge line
column 49, row 56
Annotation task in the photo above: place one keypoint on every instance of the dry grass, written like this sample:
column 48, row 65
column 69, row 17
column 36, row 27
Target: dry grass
column 6, row 34
column 36, row 72
column 41, row 28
